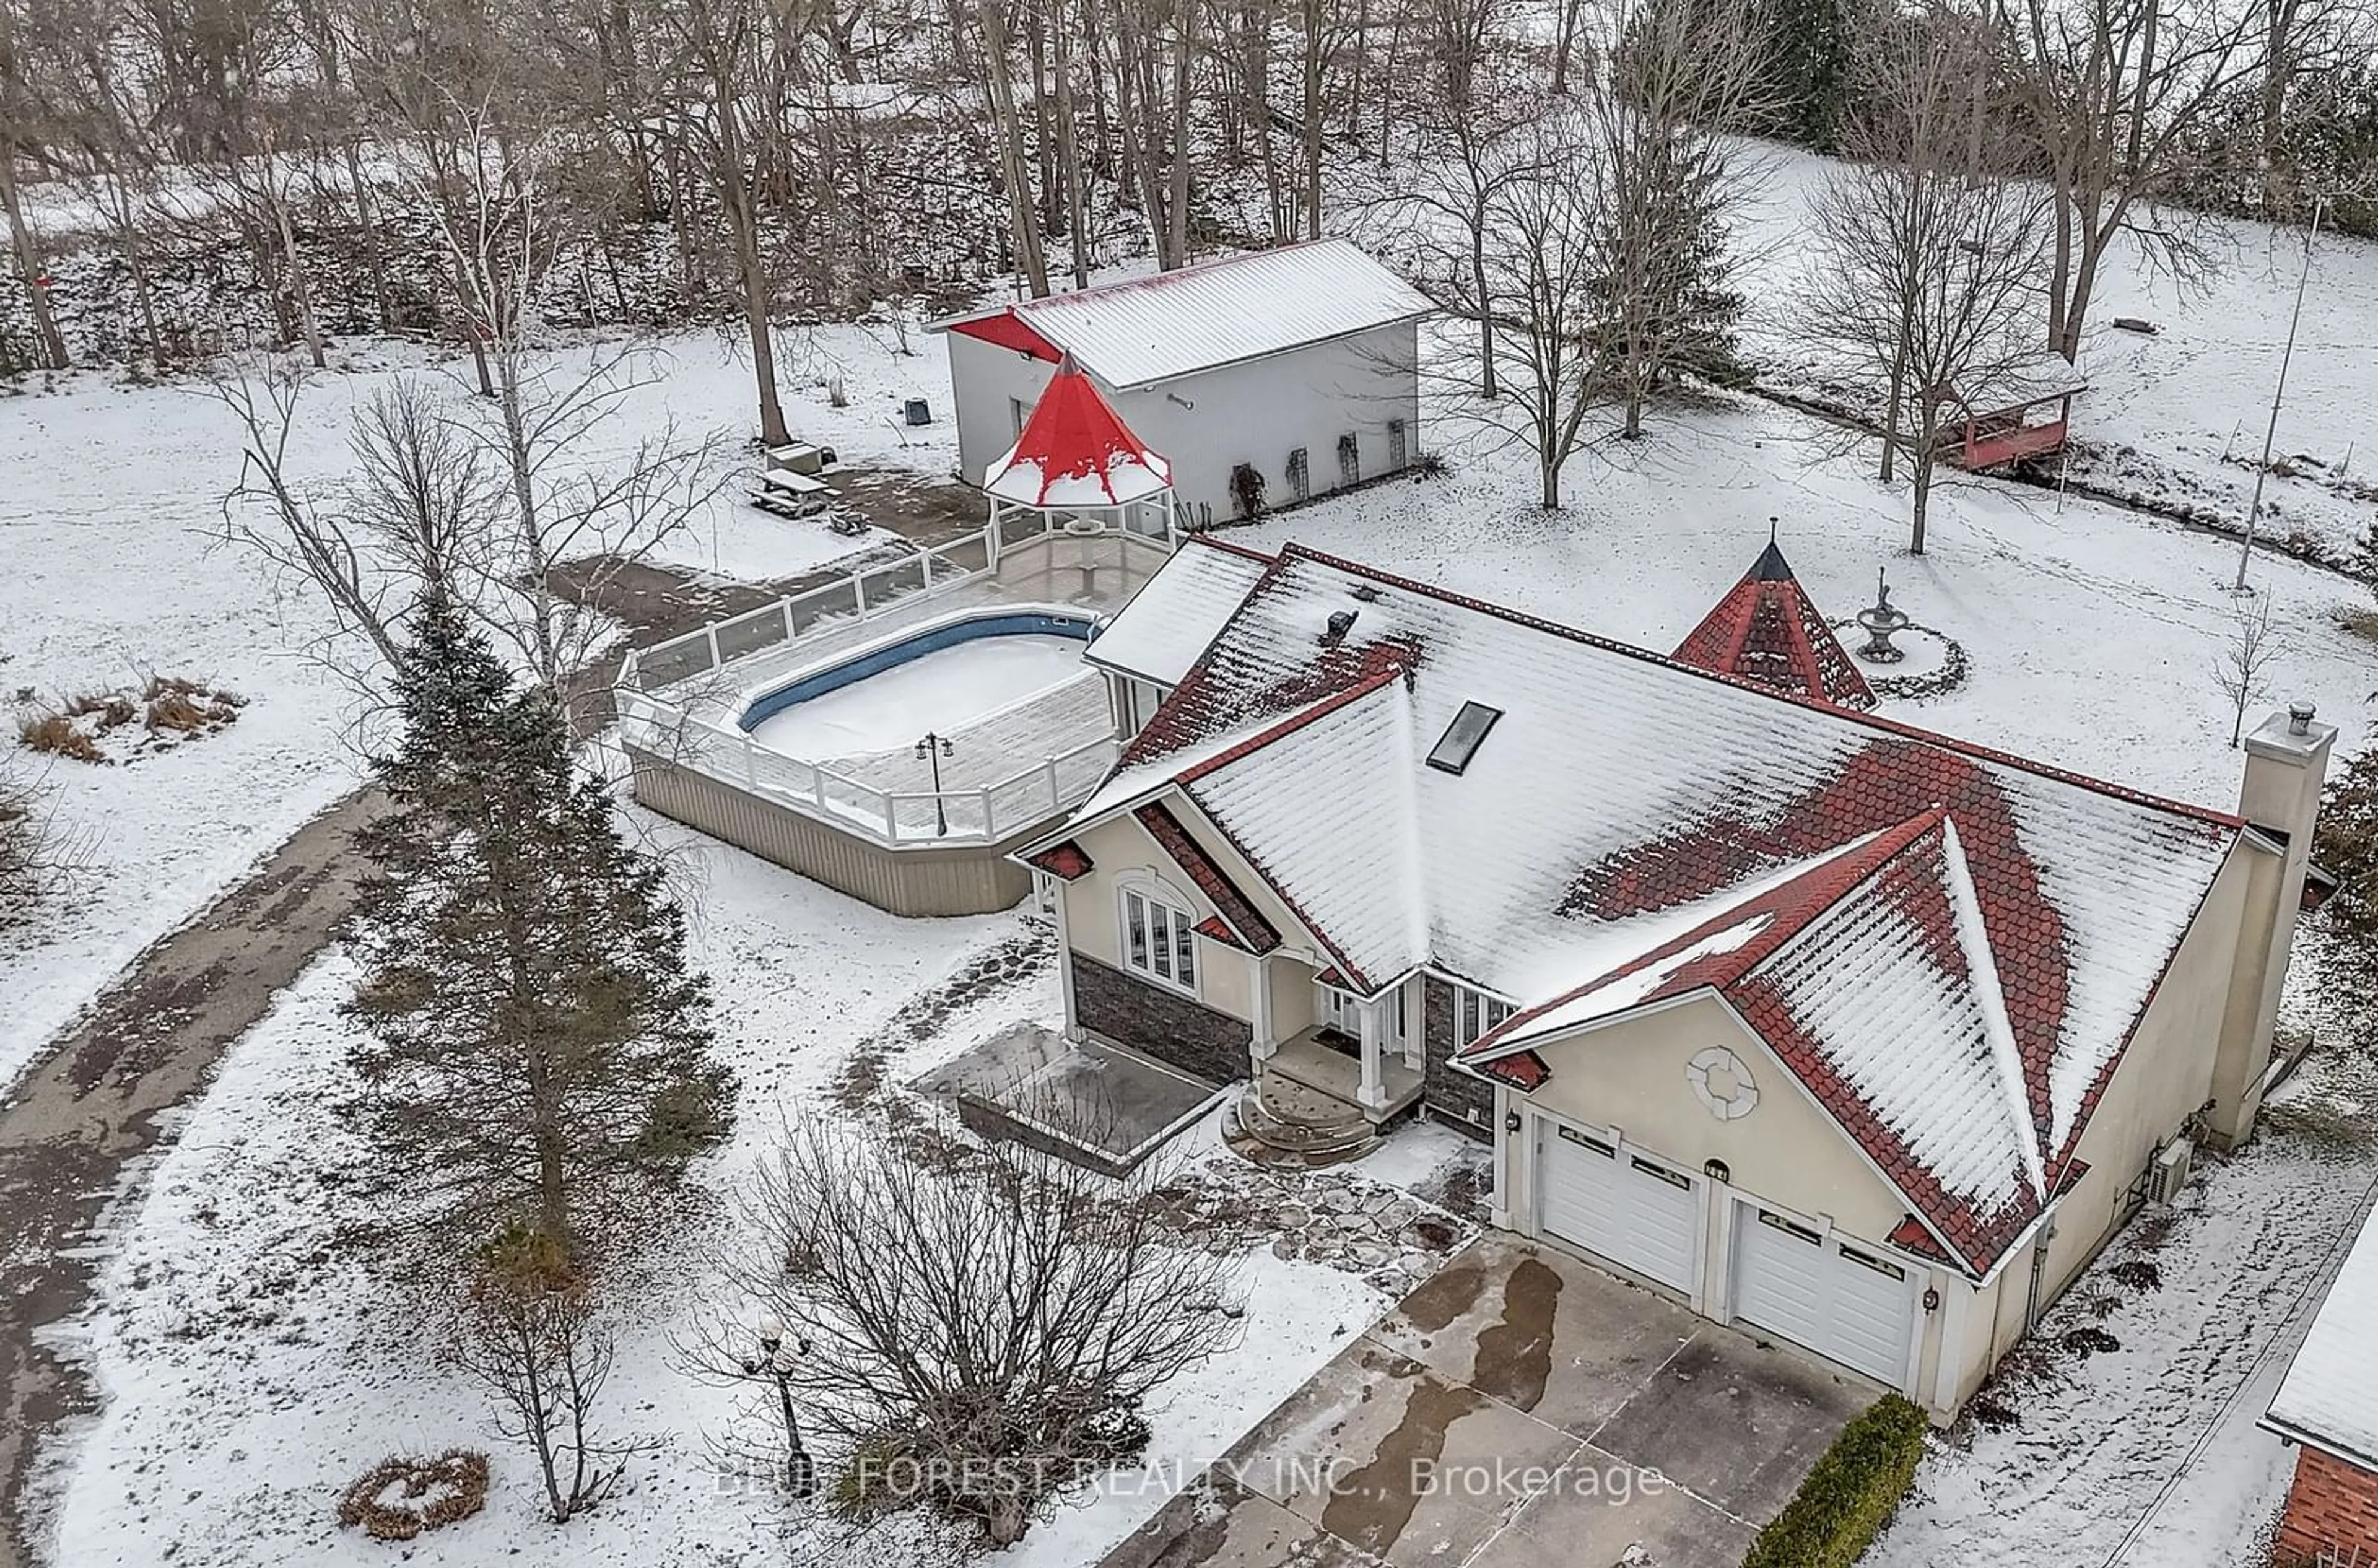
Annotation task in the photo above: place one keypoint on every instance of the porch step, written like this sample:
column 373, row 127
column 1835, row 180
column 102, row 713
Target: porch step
column 1276, row 1121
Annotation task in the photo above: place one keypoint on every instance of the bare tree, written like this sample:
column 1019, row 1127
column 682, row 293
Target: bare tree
column 1016, row 169
column 1466, row 158
column 727, row 70
column 983, row 1333
column 412, row 519
column 532, row 1333
column 2111, row 91
column 36, row 858
column 2249, row 646
column 1543, row 287
column 523, row 513
column 24, row 123
column 1926, row 283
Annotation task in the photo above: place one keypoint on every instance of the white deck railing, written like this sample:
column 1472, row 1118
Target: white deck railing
column 982, row 814
column 687, row 734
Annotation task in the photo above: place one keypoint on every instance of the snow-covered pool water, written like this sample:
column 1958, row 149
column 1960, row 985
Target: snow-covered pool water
column 939, row 692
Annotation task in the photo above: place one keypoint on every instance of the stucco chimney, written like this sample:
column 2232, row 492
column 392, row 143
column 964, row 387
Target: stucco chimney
column 2287, row 761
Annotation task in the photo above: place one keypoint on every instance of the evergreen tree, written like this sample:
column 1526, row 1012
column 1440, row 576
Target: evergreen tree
column 2346, row 843
column 1808, row 65
column 538, row 1050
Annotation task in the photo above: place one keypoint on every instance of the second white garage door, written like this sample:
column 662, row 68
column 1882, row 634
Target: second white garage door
column 1639, row 1213
column 1835, row 1298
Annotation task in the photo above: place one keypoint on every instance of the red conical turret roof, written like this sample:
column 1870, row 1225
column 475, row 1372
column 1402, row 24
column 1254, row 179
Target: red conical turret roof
column 1076, row 451
column 1767, row 630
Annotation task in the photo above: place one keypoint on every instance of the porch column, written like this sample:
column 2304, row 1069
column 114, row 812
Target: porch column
column 1066, row 960
column 1265, row 1038
column 1371, row 1011
column 1415, row 1032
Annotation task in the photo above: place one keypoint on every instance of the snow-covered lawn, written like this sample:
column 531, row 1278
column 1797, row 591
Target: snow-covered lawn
column 2148, row 1455
column 2177, row 417
column 251, row 1364
column 110, row 498
column 2091, row 631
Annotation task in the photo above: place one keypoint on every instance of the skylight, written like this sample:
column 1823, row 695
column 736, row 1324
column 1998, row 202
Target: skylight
column 1459, row 742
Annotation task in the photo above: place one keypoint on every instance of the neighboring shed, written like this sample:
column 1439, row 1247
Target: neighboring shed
column 2327, row 1404
column 2024, row 413
column 1263, row 378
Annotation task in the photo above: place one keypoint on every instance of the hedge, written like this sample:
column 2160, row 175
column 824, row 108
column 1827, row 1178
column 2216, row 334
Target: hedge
column 1850, row 1494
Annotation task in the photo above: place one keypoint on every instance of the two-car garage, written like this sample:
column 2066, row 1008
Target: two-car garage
column 1775, row 1271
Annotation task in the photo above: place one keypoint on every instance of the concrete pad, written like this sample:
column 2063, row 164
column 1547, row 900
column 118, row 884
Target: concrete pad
column 1511, row 1413
column 1225, row 1526
column 1386, row 1455
column 1599, row 1509
column 1096, row 1104
column 1738, row 1422
column 1539, row 1329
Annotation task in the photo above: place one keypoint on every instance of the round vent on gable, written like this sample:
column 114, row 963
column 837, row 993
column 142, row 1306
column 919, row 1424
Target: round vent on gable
column 1723, row 1085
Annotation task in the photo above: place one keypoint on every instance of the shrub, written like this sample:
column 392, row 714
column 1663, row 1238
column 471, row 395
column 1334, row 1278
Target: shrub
column 399, row 1498
column 1851, row 1493
column 56, row 734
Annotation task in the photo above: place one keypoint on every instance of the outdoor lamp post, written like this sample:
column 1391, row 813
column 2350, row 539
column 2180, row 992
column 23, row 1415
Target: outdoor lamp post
column 775, row 1361
column 934, row 747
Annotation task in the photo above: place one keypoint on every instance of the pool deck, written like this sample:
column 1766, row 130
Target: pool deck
column 1065, row 574
column 1049, row 723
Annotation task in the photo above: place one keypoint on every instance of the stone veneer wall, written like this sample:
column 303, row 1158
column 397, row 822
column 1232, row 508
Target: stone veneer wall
column 2332, row 1509
column 1451, row 1096
column 1165, row 1025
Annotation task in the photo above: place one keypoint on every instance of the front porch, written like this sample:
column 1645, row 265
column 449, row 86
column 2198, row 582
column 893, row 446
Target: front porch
column 1333, row 1064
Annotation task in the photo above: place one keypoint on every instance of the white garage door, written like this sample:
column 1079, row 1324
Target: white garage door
column 1637, row 1212
column 1839, row 1299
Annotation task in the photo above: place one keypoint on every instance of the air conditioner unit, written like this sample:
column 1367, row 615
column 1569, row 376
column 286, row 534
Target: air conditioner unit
column 2168, row 1173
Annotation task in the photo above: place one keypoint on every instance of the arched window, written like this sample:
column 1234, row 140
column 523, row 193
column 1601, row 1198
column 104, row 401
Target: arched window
column 1159, row 941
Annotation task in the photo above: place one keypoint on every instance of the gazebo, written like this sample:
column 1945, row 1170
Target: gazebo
column 1075, row 464
column 2004, row 417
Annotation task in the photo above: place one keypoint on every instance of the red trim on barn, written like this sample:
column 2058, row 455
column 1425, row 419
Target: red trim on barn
column 1008, row 330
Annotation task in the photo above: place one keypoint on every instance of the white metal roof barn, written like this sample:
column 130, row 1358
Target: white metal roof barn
column 1267, row 378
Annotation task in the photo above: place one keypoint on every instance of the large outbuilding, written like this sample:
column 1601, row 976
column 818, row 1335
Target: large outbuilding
column 1265, row 378
column 1863, row 1036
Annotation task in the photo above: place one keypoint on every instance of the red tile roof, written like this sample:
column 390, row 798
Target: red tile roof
column 1765, row 629
column 1066, row 861
column 1254, row 932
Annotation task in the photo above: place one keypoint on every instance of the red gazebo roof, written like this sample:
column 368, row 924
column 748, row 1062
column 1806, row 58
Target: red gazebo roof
column 1076, row 451
column 1767, row 630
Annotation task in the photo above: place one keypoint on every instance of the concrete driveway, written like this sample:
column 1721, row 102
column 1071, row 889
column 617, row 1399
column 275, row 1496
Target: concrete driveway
column 1521, row 1409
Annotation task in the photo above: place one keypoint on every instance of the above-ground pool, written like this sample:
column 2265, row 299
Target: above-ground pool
column 936, row 679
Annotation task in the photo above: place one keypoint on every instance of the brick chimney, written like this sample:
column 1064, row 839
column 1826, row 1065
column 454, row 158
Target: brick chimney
column 2286, row 761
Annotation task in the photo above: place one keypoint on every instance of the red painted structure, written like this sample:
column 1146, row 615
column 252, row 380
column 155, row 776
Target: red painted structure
column 1767, row 630
column 2011, row 417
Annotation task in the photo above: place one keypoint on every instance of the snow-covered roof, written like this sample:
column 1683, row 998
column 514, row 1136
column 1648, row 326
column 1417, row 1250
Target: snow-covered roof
column 2329, row 1397
column 1953, row 946
column 1137, row 331
column 2016, row 386
column 1076, row 451
column 1766, row 630
column 1178, row 611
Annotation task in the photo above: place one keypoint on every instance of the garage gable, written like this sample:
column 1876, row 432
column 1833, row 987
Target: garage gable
column 1689, row 1081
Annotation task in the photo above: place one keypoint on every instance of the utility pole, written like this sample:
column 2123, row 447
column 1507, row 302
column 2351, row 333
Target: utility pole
column 2270, row 431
